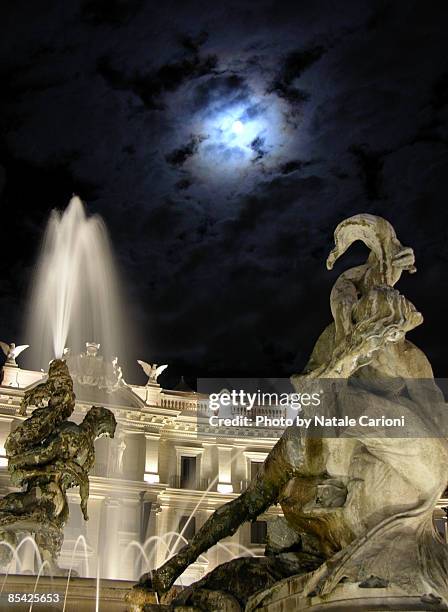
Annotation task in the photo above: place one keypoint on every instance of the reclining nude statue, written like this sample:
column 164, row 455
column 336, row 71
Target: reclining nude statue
column 359, row 505
column 47, row 454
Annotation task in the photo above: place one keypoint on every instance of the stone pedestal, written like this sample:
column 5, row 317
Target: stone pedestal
column 81, row 595
column 282, row 598
column 287, row 596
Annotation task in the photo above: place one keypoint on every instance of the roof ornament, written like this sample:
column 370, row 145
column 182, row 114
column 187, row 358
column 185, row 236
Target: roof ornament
column 12, row 351
column 153, row 371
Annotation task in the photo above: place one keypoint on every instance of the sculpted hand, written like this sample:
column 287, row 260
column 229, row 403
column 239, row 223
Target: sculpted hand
column 382, row 316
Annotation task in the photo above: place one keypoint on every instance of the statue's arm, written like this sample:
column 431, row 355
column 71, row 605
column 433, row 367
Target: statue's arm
column 36, row 456
column 343, row 297
column 381, row 317
column 81, row 478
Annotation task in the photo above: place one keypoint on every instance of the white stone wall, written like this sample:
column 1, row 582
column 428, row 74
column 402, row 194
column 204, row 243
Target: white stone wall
column 137, row 503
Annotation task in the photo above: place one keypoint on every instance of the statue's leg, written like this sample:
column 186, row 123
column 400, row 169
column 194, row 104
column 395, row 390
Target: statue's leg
column 261, row 494
column 49, row 540
column 292, row 455
column 8, row 541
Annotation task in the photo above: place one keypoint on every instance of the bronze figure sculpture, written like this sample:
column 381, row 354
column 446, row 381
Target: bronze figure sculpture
column 47, row 455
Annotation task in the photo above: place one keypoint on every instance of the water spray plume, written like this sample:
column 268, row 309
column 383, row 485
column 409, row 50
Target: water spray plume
column 75, row 294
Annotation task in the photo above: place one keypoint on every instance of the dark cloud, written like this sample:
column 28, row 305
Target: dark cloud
column 370, row 166
column 218, row 92
column 178, row 157
column 221, row 230
column 194, row 43
column 151, row 87
column 292, row 68
column 293, row 165
column 109, row 12
column 440, row 92
column 257, row 145
column 184, row 183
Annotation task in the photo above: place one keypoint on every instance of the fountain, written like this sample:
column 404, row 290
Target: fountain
column 74, row 303
column 74, row 298
column 338, row 546
column 75, row 295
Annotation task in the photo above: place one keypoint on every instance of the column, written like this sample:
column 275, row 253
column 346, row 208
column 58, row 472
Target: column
column 152, row 457
column 225, row 469
column 162, row 527
column 110, row 541
column 151, row 527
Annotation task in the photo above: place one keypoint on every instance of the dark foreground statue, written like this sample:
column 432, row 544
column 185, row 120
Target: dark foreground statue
column 360, row 506
column 47, row 455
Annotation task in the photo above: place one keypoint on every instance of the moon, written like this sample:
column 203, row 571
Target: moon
column 237, row 127
column 238, row 137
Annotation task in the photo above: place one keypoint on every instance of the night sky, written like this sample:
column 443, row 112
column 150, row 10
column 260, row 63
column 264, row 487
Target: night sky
column 222, row 142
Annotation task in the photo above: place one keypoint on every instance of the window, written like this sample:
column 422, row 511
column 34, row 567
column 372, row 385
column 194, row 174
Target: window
column 189, row 532
column 255, row 467
column 188, row 472
column 258, row 532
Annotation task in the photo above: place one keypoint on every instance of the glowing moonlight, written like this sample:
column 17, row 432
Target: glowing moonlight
column 237, row 127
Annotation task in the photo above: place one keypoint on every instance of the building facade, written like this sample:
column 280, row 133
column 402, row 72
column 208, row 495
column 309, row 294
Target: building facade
column 153, row 486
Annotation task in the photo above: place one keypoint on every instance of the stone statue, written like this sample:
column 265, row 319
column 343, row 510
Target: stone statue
column 47, row 455
column 11, row 351
column 152, row 371
column 116, row 454
column 92, row 370
column 357, row 508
